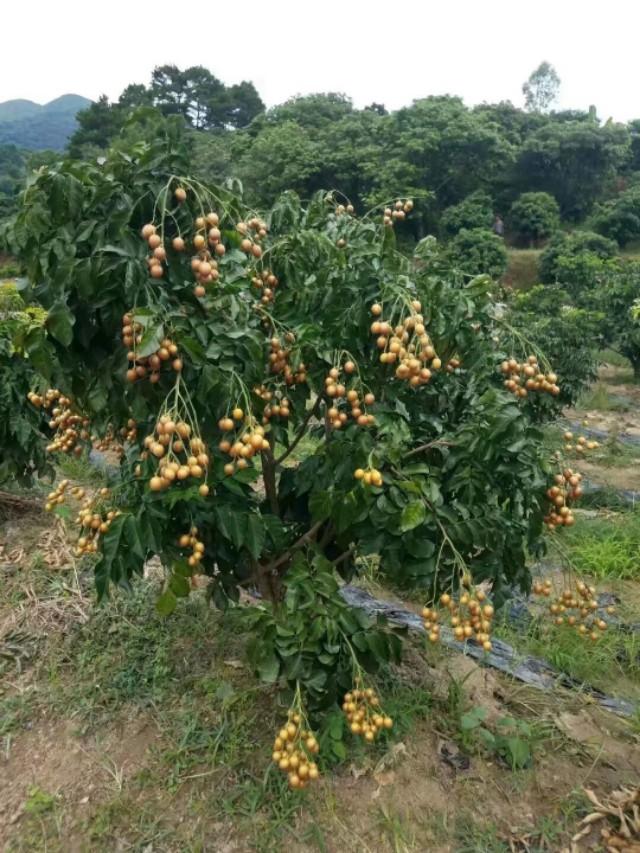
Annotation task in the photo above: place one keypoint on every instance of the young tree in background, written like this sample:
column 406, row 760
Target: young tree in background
column 541, row 89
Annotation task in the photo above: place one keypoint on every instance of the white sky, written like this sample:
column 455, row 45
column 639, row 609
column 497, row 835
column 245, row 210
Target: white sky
column 373, row 50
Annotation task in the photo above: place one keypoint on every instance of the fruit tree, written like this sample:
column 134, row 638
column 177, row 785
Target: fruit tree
column 289, row 396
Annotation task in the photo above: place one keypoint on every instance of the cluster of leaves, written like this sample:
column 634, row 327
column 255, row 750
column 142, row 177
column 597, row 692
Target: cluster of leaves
column 23, row 345
column 312, row 636
column 462, row 462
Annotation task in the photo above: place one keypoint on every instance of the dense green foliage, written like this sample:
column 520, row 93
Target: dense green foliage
column 462, row 466
column 534, row 217
column 565, row 256
column 22, row 346
column 475, row 211
column 475, row 251
column 570, row 337
column 619, row 218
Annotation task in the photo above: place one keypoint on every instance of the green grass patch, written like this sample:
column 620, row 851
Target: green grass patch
column 606, row 547
column 522, row 268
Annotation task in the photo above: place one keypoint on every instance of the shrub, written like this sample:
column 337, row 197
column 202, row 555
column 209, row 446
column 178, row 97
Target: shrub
column 534, row 217
column 477, row 251
column 565, row 248
column 619, row 219
column 475, row 211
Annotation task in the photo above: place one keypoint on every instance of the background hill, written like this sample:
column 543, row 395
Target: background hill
column 38, row 126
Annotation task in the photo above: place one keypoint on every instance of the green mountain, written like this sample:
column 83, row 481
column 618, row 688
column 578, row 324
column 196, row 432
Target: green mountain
column 38, row 126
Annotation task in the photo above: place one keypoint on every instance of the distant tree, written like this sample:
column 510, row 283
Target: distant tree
column 564, row 257
column 534, row 217
column 619, row 218
column 98, row 125
column 477, row 251
column 574, row 161
column 380, row 109
column 312, row 111
column 475, row 211
column 541, row 89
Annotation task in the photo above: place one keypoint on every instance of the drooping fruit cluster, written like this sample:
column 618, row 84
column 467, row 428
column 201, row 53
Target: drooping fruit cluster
column 361, row 707
column 278, row 406
column 279, row 361
column 94, row 525
column 141, row 367
column 345, row 403
column 191, row 542
column 452, row 365
column 576, row 608
column 180, row 452
column 70, row 427
column 293, row 749
column 158, row 253
column 248, row 439
column 407, row 344
column 370, row 476
column 562, row 494
column 252, row 231
column 266, row 282
column 209, row 246
column 522, row 377
column 582, row 445
column 58, row 495
column 397, row 212
column 470, row 616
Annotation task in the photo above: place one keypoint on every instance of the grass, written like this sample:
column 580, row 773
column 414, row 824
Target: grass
column 615, row 359
column 522, row 268
column 606, row 548
column 599, row 397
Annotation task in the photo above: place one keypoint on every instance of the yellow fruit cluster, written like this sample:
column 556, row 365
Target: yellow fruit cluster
column 470, row 616
column 277, row 405
column 248, row 439
column 341, row 209
column 527, row 376
column 565, row 490
column 190, row 541
column 266, row 282
column 407, row 344
column 397, row 212
column 252, row 232
column 576, row 608
column 181, row 454
column 158, row 253
column 58, row 495
column 279, row 358
column 70, row 427
column 361, row 707
column 370, row 476
column 93, row 524
column 292, row 750
column 346, row 403
column 581, row 445
column 149, row 366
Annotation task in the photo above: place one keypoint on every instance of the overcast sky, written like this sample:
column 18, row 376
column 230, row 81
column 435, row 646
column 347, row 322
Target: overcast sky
column 373, row 50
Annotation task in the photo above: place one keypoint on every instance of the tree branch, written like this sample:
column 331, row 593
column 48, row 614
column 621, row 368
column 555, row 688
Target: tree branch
column 313, row 411
column 301, row 542
column 269, row 477
column 423, row 447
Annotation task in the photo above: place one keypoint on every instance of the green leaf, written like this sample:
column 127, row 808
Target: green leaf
column 320, row 504
column 60, row 323
column 412, row 515
column 472, row 719
column 166, row 603
column 269, row 667
column 179, row 586
column 255, row 535
column 151, row 340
